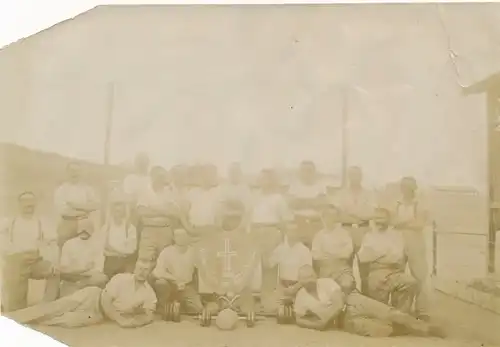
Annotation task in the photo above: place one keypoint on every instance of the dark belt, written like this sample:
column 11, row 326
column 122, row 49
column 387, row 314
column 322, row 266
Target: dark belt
column 361, row 225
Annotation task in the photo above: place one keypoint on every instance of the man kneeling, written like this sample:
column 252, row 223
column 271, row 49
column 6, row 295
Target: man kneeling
column 321, row 303
column 127, row 299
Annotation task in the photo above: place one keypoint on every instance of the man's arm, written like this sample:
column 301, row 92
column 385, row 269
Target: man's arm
column 91, row 205
column 161, row 269
column 311, row 322
column 110, row 310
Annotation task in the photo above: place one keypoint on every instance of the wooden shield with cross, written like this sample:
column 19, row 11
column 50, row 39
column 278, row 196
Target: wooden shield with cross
column 227, row 262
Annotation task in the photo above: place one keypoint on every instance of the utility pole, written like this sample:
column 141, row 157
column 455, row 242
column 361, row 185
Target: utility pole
column 345, row 135
column 110, row 100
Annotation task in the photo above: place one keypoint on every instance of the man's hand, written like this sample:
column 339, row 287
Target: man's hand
column 181, row 285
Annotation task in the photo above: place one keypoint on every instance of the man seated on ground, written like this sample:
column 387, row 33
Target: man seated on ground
column 290, row 256
column 127, row 299
column 383, row 249
column 28, row 246
column 333, row 250
column 321, row 302
column 318, row 302
column 173, row 275
column 120, row 238
column 82, row 261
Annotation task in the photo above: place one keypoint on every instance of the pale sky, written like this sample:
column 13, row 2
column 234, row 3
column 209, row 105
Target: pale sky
column 22, row 18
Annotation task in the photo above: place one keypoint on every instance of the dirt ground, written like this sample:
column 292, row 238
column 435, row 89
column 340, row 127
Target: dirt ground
column 467, row 325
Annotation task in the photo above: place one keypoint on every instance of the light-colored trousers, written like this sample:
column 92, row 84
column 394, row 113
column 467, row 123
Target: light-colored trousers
column 417, row 261
column 368, row 317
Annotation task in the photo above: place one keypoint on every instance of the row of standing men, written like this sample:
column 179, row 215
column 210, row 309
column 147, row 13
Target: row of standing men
column 159, row 207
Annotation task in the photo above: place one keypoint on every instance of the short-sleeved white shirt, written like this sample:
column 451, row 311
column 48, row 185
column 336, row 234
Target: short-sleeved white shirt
column 80, row 193
column 270, row 209
column 290, row 259
column 330, row 299
column 125, row 294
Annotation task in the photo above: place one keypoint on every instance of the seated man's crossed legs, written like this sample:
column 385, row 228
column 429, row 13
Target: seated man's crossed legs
column 169, row 292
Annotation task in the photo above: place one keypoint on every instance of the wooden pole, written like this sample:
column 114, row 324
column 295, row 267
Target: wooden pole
column 492, row 174
column 345, row 138
column 107, row 147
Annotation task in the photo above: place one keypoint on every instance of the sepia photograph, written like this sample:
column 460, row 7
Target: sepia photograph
column 253, row 175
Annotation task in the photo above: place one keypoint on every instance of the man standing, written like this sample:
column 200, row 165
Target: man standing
column 120, row 238
column 333, row 251
column 383, row 250
column 357, row 207
column 27, row 243
column 235, row 188
column 410, row 217
column 268, row 217
column 202, row 204
column 136, row 183
column 74, row 201
column 173, row 274
column 127, row 300
column 160, row 214
column 82, row 261
column 306, row 198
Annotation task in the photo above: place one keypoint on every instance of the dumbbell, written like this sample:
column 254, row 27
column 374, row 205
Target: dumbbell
column 172, row 312
column 285, row 314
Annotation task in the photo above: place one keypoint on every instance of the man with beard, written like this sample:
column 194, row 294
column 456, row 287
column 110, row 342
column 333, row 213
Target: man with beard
column 127, row 300
column 383, row 250
column 356, row 204
column 307, row 196
column 27, row 245
column 321, row 304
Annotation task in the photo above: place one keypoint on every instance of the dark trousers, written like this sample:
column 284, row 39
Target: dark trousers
column 114, row 265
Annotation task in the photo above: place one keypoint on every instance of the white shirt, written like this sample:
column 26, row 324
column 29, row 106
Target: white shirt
column 135, row 184
column 203, row 204
column 270, row 209
column 335, row 244
column 330, row 299
column 361, row 203
column 121, row 240
column 77, row 254
column 125, row 294
column 174, row 262
column 19, row 234
column 157, row 200
column 384, row 247
column 80, row 193
column 240, row 192
column 406, row 212
column 290, row 259
column 300, row 190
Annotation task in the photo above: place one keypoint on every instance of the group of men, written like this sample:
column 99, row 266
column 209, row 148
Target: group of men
column 147, row 252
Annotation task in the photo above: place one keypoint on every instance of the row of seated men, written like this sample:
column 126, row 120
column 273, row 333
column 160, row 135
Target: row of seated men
column 316, row 302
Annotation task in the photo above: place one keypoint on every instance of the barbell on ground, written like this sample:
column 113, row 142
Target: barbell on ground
column 172, row 313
